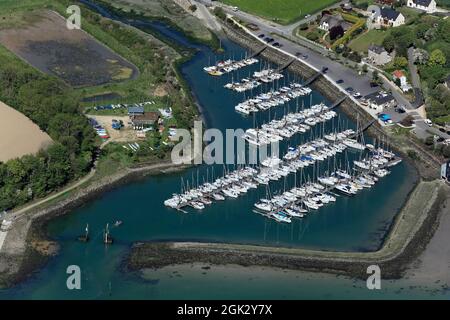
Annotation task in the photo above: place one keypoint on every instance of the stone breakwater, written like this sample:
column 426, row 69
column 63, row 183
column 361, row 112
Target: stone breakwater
column 412, row 230
column 19, row 256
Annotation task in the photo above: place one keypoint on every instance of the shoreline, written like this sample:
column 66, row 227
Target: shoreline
column 19, row 259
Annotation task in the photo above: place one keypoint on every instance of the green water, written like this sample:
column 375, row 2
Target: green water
column 351, row 224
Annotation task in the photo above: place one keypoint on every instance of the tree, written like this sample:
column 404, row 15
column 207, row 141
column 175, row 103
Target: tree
column 218, row 11
column 375, row 76
column 193, row 7
column 437, row 57
column 303, row 26
column 364, row 68
column 400, row 62
column 336, row 32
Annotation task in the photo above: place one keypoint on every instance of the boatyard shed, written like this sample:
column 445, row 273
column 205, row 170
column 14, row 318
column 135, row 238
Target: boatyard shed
column 145, row 120
column 135, row 110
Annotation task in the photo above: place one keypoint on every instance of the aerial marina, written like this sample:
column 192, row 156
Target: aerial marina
column 302, row 183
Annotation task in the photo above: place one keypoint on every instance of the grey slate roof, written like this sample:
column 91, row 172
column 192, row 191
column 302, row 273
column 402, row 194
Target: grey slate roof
column 379, row 98
column 388, row 13
column 424, row 3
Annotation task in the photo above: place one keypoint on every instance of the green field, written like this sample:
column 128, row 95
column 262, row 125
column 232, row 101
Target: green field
column 281, row 11
column 363, row 42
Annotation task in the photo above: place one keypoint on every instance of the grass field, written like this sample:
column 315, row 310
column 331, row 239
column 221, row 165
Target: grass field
column 363, row 42
column 281, row 11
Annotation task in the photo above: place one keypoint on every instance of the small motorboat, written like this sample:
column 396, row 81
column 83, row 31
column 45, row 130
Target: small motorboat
column 118, row 223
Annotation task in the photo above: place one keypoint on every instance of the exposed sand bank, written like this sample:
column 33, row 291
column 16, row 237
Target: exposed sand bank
column 19, row 135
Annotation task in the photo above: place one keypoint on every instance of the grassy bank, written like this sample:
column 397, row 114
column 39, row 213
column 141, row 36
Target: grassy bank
column 281, row 11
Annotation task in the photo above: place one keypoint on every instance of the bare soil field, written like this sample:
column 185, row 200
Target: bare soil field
column 72, row 55
column 19, row 135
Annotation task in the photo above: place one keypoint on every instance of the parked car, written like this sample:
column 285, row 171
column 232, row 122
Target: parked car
column 324, row 69
column 276, row 44
column 373, row 84
column 305, row 56
column 340, row 81
column 261, row 35
column 349, row 89
column 298, row 54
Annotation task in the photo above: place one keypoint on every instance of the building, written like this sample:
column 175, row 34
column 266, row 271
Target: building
column 347, row 7
column 387, row 18
column 380, row 100
column 330, row 21
column 428, row 6
column 135, row 110
column 400, row 76
column 378, row 55
column 145, row 120
column 445, row 171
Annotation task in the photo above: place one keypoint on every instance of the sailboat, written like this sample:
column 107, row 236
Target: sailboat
column 107, row 239
column 85, row 237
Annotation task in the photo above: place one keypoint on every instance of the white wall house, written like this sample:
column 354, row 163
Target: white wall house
column 428, row 6
column 390, row 18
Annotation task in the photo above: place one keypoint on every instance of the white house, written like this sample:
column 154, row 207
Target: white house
column 428, row 6
column 386, row 17
column 390, row 18
column 404, row 85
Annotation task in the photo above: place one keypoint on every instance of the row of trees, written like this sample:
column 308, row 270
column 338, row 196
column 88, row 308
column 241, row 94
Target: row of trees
column 53, row 106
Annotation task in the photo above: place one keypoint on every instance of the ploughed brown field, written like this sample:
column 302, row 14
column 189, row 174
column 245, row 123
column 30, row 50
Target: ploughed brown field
column 72, row 55
column 19, row 135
